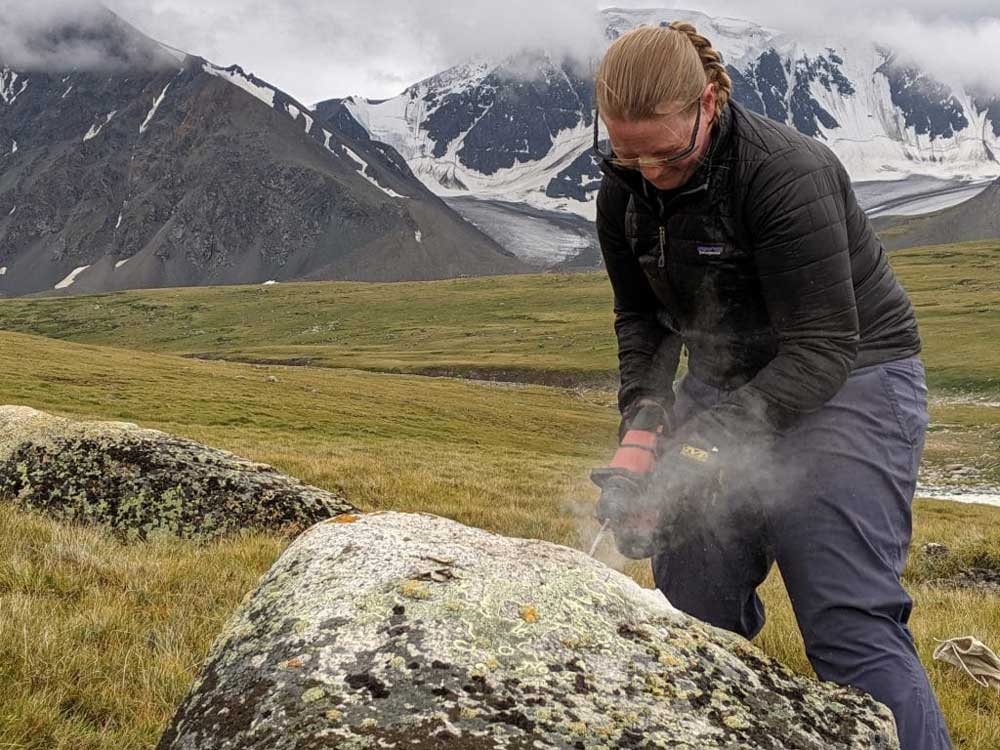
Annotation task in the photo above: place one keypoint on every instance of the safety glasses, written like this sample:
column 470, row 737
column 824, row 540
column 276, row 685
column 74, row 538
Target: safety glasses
column 602, row 146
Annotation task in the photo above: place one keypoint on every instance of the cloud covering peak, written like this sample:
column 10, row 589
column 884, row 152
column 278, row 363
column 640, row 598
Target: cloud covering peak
column 375, row 48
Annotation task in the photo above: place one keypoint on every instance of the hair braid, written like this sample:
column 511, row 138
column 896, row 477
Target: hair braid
column 652, row 67
column 711, row 60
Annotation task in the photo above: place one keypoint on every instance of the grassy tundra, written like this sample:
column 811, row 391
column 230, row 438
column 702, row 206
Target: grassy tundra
column 98, row 641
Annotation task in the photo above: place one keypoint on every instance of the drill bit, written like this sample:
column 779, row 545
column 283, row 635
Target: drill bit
column 597, row 539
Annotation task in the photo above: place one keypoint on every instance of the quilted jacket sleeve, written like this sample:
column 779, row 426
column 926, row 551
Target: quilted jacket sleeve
column 795, row 214
column 648, row 352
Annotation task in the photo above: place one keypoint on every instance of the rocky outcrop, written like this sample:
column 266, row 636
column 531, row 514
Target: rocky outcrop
column 140, row 482
column 413, row 631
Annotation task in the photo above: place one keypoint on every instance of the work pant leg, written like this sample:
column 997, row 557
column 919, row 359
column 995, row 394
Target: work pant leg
column 841, row 533
column 712, row 560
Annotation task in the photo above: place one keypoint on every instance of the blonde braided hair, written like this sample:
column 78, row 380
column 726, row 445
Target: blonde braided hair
column 651, row 67
column 711, row 61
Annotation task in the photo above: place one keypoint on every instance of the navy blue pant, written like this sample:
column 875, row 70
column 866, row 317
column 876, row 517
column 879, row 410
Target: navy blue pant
column 831, row 505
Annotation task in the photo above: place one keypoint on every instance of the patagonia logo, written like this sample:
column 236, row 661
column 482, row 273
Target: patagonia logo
column 711, row 250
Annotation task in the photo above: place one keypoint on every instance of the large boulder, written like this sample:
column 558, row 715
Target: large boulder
column 413, row 631
column 139, row 482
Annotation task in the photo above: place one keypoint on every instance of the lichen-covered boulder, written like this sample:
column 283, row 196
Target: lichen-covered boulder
column 139, row 482
column 414, row 631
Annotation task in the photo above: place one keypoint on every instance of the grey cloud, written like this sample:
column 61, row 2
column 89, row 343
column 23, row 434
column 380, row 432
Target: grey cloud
column 958, row 42
column 369, row 47
column 63, row 35
column 315, row 50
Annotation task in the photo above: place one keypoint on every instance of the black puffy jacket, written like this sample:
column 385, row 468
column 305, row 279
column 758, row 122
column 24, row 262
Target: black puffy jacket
column 763, row 265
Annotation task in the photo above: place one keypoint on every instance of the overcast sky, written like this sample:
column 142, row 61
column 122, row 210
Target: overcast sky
column 317, row 50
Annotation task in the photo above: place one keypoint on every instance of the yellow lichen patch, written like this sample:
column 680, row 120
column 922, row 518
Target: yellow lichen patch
column 344, row 518
column 468, row 713
column 577, row 727
column 667, row 658
column 719, row 696
column 414, row 590
column 655, row 684
column 603, row 730
column 295, row 662
column 313, row 694
column 580, row 641
column 528, row 613
column 491, row 663
column 334, row 715
column 735, row 722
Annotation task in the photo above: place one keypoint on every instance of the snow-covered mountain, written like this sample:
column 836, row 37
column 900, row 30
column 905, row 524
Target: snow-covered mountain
column 489, row 129
column 158, row 168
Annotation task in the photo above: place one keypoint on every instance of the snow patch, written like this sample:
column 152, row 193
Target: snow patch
column 294, row 112
column 68, row 281
column 119, row 222
column 95, row 129
column 156, row 106
column 11, row 213
column 269, row 283
column 418, row 236
column 3, row 270
column 8, row 82
column 364, row 173
column 237, row 77
column 121, row 263
column 66, row 92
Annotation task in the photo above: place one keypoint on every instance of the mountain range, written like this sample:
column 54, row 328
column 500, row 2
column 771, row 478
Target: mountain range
column 518, row 130
column 162, row 169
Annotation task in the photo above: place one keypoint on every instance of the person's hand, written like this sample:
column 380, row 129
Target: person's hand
column 625, row 503
column 645, row 414
column 624, row 483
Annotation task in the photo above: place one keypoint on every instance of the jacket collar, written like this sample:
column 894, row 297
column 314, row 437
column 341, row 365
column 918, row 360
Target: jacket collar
column 708, row 171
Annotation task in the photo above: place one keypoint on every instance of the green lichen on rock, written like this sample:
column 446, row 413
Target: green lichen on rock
column 510, row 643
column 141, row 482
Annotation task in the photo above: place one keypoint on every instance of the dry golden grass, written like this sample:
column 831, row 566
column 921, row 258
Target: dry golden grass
column 99, row 641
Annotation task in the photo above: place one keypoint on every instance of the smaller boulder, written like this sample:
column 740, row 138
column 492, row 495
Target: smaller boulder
column 138, row 482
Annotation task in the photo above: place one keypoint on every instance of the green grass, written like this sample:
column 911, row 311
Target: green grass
column 98, row 640
column 543, row 327
column 553, row 328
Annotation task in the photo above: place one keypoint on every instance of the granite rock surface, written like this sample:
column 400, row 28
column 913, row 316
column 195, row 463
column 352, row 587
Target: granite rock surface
column 413, row 631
